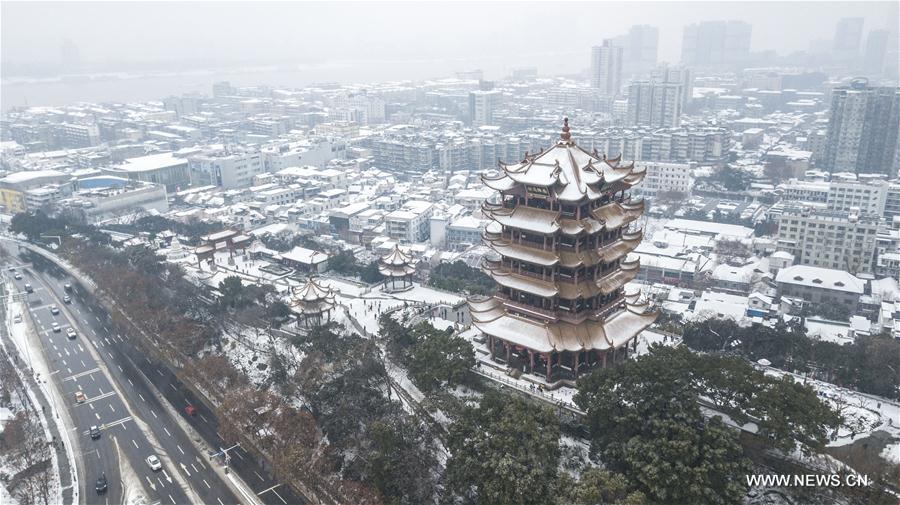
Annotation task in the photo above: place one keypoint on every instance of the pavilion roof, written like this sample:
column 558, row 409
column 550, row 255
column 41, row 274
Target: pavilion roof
column 614, row 331
column 569, row 172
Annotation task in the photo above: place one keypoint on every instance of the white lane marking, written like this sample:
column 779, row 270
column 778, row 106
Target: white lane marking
column 195, row 468
column 267, row 490
column 179, row 449
column 142, row 397
column 258, row 475
column 98, row 415
column 120, row 368
column 173, row 499
column 82, row 364
column 207, row 484
column 167, row 431
column 279, row 497
column 154, row 414
column 98, row 397
column 204, row 419
column 111, row 407
column 129, row 381
column 159, row 372
column 220, row 501
column 135, row 443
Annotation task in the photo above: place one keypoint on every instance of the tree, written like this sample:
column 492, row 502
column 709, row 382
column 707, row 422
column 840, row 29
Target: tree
column 644, row 421
column 438, row 358
column 369, row 273
column 343, row 263
column 503, row 452
column 598, row 487
column 231, row 292
column 461, row 278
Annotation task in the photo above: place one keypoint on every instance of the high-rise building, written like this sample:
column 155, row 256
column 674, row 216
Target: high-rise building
column 655, row 104
column 69, row 55
column 716, row 44
column 677, row 75
column 847, row 38
column 222, row 88
column 639, row 49
column 482, row 105
column 862, row 129
column 876, row 50
column 606, row 68
column 560, row 238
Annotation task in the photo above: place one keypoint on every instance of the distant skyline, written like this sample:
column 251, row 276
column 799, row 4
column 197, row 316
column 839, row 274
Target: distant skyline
column 554, row 37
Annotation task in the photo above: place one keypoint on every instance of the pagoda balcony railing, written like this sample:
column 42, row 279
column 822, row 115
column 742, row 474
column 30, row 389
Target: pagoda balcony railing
column 527, row 308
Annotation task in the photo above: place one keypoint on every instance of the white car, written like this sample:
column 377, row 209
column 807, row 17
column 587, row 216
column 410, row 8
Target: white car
column 154, row 463
column 54, row 310
column 55, row 328
column 70, row 332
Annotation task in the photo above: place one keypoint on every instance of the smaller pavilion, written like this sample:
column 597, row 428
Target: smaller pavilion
column 313, row 303
column 397, row 268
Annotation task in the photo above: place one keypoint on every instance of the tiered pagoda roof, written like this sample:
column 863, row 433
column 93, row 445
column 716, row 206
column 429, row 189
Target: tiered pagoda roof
column 312, row 298
column 594, row 334
column 561, row 231
column 396, row 264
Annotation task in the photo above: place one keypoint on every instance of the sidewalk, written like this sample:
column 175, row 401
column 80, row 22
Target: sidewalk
column 69, row 492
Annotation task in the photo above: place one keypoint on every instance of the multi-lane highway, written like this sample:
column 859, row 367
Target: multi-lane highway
column 132, row 423
column 100, row 358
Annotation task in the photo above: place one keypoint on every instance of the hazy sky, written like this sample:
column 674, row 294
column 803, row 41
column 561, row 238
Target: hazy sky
column 555, row 37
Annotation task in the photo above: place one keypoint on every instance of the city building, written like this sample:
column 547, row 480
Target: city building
column 172, row 172
column 716, row 44
column 640, row 47
column 560, row 238
column 225, row 168
column 410, row 223
column 828, row 239
column 606, row 68
column 862, row 130
column 80, row 135
column 847, row 39
column 820, row 286
column 877, row 43
column 655, row 104
column 482, row 106
column 108, row 198
column 666, row 177
column 14, row 186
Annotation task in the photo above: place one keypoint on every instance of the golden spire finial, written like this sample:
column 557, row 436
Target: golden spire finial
column 565, row 135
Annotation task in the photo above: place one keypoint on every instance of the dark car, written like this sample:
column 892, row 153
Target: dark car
column 68, row 287
column 102, row 484
column 95, row 432
column 67, row 299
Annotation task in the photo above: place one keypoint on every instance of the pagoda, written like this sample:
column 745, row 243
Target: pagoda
column 397, row 268
column 559, row 239
column 313, row 303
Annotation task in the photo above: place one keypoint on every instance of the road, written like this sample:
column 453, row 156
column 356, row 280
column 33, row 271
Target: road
column 85, row 364
column 133, row 369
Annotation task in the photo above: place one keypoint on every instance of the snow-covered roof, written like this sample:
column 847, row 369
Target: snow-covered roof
column 824, row 278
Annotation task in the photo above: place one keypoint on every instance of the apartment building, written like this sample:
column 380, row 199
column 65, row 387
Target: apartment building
column 829, row 239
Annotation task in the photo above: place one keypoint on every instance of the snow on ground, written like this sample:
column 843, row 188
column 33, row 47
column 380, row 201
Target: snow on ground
column 863, row 413
column 19, row 333
column 891, row 453
column 249, row 350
